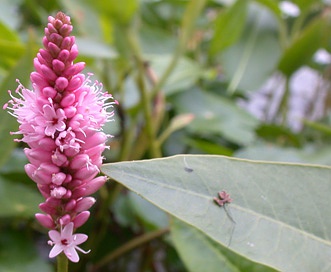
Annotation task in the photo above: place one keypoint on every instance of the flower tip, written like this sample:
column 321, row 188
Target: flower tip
column 63, row 18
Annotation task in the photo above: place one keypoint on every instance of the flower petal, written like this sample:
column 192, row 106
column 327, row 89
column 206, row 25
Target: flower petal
column 71, row 253
column 56, row 250
column 66, row 233
column 79, row 238
column 55, row 236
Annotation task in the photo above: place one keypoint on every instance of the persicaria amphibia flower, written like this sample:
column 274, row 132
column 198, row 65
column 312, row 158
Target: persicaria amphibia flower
column 61, row 120
column 67, row 242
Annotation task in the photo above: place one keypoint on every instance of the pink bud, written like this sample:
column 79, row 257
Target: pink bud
column 86, row 174
column 81, row 218
column 45, row 42
column 95, row 151
column 39, row 81
column 65, row 220
column 30, row 169
column 57, row 23
column 44, row 190
column 68, row 100
column 59, row 159
column 44, row 173
column 84, row 204
column 45, row 55
column 58, row 192
column 73, row 150
column 37, row 65
column 76, row 121
column 56, row 38
column 48, row 73
column 70, row 205
column 45, row 220
column 49, row 92
column 47, row 144
column 68, row 194
column 94, row 140
column 76, row 183
column 37, row 156
column 80, row 161
column 65, row 30
column 53, row 202
column 58, row 66
column 73, row 53
column 68, row 178
column 75, row 82
column 53, row 49
column 41, row 59
column 74, row 69
column 58, row 178
column 51, row 28
column 94, row 185
column 63, row 55
column 47, row 208
column 79, row 192
column 61, row 83
column 67, row 43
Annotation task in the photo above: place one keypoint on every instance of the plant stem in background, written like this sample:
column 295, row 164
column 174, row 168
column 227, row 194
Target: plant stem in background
column 192, row 11
column 130, row 246
column 145, row 97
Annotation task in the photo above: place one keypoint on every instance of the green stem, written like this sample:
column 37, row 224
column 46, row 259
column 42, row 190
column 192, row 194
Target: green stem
column 233, row 85
column 193, row 9
column 145, row 97
column 62, row 263
column 128, row 134
column 130, row 246
column 283, row 103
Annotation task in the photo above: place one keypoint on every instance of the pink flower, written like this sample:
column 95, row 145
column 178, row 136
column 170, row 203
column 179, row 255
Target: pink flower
column 67, row 242
column 61, row 120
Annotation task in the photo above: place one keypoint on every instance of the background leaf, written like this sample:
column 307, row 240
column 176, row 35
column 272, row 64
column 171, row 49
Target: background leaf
column 17, row 199
column 278, row 208
column 8, row 123
column 228, row 26
column 304, row 46
column 18, row 253
column 215, row 114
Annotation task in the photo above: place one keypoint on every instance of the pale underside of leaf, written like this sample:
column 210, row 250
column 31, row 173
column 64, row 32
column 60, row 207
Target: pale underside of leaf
column 280, row 210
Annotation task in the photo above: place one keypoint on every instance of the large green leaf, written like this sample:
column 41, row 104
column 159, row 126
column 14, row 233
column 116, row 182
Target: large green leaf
column 278, row 208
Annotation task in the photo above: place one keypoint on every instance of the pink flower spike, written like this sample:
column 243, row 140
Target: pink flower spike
column 61, row 120
column 67, row 242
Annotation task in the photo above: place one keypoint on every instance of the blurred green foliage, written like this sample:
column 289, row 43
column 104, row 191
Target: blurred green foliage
column 237, row 66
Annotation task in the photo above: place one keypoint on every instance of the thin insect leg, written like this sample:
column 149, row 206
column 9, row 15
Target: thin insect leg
column 228, row 213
